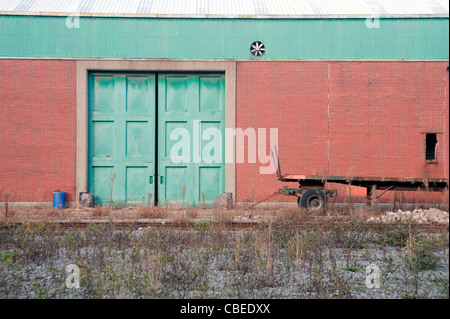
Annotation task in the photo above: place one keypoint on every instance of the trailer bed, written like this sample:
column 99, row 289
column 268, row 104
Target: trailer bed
column 381, row 183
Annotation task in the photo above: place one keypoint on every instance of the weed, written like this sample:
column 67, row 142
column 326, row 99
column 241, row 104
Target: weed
column 6, row 197
column 421, row 256
column 397, row 237
column 192, row 213
column 203, row 225
column 8, row 257
column 223, row 217
column 354, row 269
column 151, row 212
column 101, row 211
column 111, row 187
column 442, row 284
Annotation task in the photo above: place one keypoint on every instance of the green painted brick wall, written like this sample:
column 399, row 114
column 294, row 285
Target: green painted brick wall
column 194, row 38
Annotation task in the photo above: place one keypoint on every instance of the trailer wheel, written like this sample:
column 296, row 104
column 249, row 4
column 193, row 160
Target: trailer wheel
column 313, row 199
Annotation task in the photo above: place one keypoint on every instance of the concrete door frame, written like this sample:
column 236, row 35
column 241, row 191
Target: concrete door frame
column 85, row 66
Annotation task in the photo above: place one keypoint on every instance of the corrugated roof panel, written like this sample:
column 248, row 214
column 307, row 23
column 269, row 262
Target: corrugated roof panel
column 443, row 3
column 156, row 7
column 345, row 7
column 8, row 5
column 327, row 8
column 213, row 6
column 433, row 5
column 336, row 7
column 189, row 6
column 174, row 7
column 39, row 4
column 113, row 6
column 244, row 7
column 56, row 6
column 303, row 6
column 376, row 7
column 170, row 7
column 436, row 6
column 289, row 6
column 144, row 6
column 230, row 8
column 220, row 6
column 405, row 7
column 85, row 6
column 25, row 5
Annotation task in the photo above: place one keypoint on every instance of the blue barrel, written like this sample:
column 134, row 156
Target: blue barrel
column 59, row 200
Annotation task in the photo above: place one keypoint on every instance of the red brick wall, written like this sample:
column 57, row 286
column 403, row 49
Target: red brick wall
column 337, row 118
column 344, row 118
column 37, row 129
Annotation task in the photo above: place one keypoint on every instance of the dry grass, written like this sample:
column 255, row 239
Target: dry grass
column 223, row 217
column 445, row 200
column 37, row 211
column 180, row 217
column 289, row 215
column 6, row 198
column 101, row 211
column 152, row 212
column 362, row 213
column 192, row 213
column 263, row 245
column 45, row 211
column 8, row 213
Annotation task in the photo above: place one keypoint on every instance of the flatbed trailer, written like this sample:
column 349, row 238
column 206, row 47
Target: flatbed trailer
column 312, row 192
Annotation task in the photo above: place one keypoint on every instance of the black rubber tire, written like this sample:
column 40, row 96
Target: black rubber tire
column 313, row 199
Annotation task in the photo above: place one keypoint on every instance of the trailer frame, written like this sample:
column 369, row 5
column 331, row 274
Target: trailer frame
column 372, row 184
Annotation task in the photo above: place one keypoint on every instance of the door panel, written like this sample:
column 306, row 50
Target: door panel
column 138, row 94
column 211, row 94
column 121, row 137
column 100, row 181
column 138, row 135
column 103, row 138
column 191, row 138
column 104, row 93
column 177, row 183
column 176, row 93
column 137, row 184
column 210, row 180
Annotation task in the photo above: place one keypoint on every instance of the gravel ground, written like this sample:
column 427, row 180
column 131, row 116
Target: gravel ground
column 231, row 266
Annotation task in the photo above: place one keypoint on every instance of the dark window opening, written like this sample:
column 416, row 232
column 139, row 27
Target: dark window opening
column 430, row 153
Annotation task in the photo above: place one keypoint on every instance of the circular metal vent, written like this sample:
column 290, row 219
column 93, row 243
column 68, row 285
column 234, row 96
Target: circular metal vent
column 257, row 48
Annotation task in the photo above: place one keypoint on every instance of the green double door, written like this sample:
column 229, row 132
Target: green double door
column 156, row 137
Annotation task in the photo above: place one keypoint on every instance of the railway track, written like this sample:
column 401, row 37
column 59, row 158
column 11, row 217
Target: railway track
column 309, row 223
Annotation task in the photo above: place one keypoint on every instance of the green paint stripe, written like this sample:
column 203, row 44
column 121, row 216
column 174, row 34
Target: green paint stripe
column 149, row 38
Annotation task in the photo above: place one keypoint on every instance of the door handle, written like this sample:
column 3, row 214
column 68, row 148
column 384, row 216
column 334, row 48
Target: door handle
column 151, row 180
column 161, row 180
